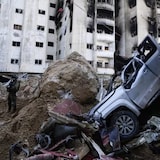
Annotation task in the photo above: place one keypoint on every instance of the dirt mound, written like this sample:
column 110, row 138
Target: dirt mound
column 71, row 78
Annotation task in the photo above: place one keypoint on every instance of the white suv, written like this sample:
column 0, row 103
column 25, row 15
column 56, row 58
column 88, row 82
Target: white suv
column 140, row 87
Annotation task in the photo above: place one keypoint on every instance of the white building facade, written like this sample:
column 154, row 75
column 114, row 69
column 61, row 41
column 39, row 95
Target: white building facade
column 34, row 33
column 27, row 35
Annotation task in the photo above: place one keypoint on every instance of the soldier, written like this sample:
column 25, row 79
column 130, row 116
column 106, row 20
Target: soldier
column 12, row 88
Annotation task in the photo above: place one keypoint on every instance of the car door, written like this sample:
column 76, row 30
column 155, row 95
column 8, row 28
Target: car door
column 150, row 49
column 144, row 87
column 146, row 83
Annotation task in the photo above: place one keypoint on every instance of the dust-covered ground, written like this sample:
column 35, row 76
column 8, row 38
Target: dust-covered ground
column 23, row 124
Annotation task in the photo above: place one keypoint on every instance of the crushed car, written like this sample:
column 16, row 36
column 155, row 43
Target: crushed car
column 139, row 88
column 68, row 137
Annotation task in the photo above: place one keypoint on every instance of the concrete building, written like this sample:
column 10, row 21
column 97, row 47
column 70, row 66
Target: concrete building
column 134, row 20
column 27, row 35
column 34, row 33
column 87, row 27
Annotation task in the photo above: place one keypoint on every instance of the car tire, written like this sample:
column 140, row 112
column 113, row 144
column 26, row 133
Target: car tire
column 127, row 123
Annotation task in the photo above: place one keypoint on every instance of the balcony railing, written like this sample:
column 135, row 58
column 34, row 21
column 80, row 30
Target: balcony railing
column 105, row 5
column 105, row 37
column 105, row 21
column 105, row 54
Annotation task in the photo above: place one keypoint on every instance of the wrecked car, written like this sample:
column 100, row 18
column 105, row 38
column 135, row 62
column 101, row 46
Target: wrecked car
column 140, row 87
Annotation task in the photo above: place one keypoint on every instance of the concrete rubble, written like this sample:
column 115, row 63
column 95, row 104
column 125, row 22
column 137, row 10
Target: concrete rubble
column 51, row 120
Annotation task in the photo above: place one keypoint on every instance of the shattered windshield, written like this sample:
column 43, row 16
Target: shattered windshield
column 146, row 49
column 130, row 72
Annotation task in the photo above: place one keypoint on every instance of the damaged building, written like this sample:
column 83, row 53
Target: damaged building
column 87, row 27
column 35, row 33
column 134, row 20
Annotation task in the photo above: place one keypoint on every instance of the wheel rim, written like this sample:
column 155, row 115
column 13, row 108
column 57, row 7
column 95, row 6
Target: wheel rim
column 125, row 125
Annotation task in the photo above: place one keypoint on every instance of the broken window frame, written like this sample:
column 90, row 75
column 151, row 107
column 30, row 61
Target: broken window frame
column 105, row 14
column 133, row 26
column 130, row 72
column 152, row 26
column 150, row 3
column 103, row 28
column 132, row 3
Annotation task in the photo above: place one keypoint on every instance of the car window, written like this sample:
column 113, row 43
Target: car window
column 146, row 49
column 131, row 71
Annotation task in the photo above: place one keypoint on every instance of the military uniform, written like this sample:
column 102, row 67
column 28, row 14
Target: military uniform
column 12, row 88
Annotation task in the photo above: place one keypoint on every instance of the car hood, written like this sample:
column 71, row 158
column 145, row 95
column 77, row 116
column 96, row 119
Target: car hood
column 111, row 102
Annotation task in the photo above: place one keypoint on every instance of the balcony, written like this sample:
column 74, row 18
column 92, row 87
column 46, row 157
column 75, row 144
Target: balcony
column 108, row 71
column 104, row 5
column 105, row 21
column 106, row 14
column 158, row 10
column 105, row 54
column 104, row 37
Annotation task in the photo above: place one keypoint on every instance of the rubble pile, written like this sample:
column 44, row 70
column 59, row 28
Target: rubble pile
column 50, row 122
column 70, row 78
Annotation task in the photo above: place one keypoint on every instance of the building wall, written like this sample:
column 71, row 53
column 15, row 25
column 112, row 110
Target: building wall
column 79, row 37
column 34, row 33
column 63, row 31
column 128, row 42
column 24, row 35
column 84, row 37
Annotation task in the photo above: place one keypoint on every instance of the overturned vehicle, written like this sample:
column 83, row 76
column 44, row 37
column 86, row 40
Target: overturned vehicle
column 140, row 87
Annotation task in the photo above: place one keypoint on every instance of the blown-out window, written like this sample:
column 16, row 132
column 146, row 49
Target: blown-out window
column 132, row 3
column 133, row 26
